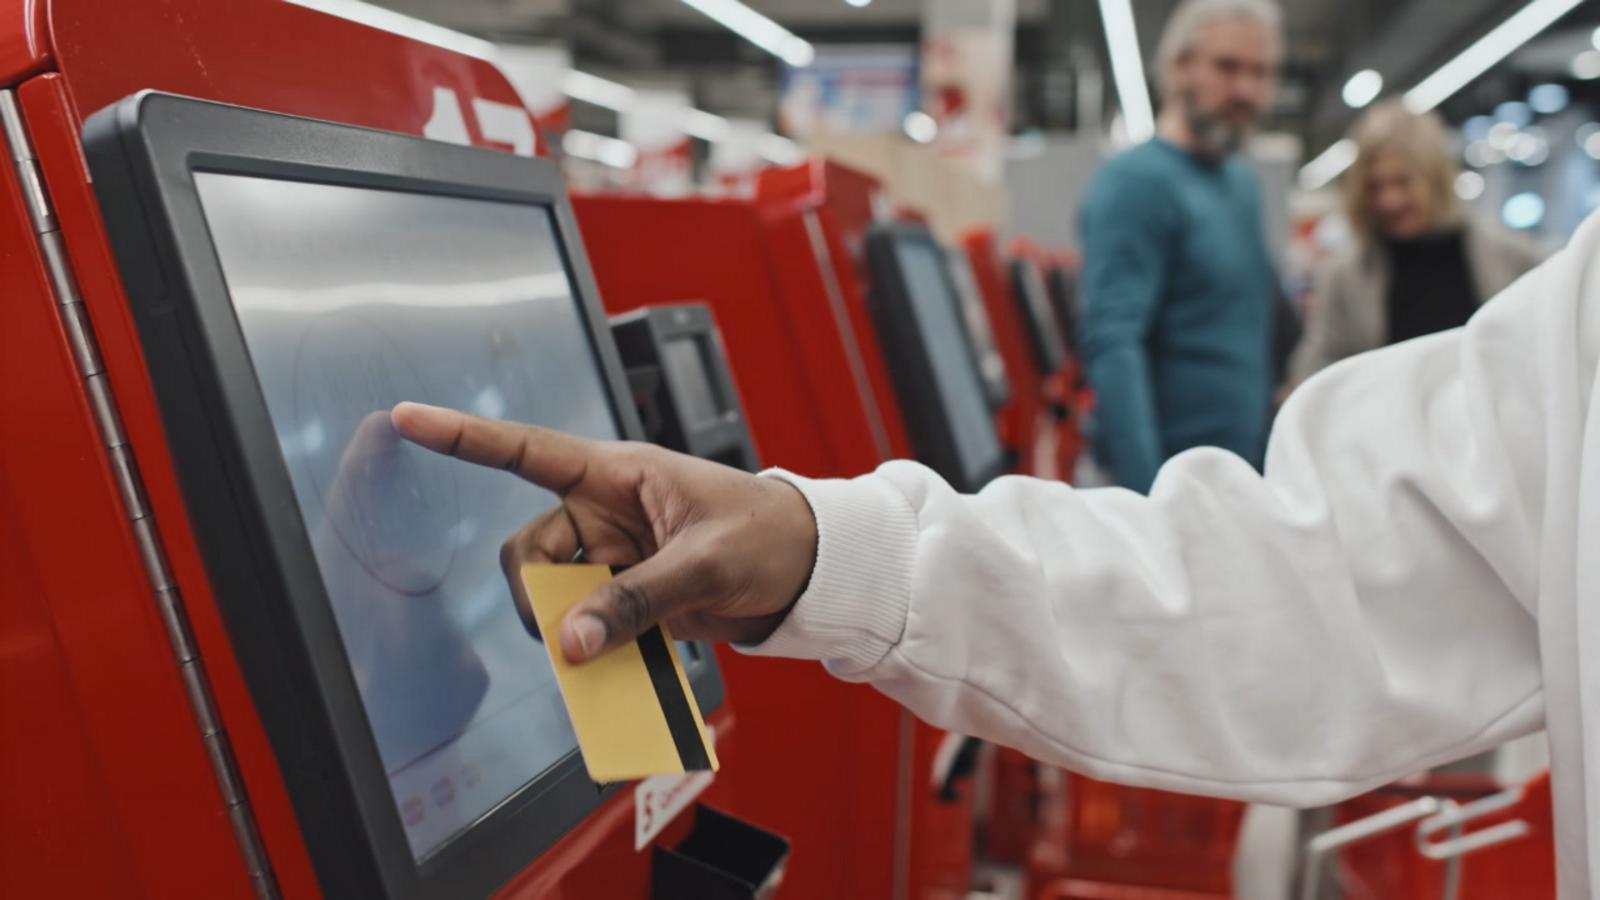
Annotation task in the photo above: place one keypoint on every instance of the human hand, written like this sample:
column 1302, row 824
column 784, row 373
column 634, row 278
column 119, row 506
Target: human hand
column 716, row 553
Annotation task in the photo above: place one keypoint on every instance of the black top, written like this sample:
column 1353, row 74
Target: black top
column 1430, row 287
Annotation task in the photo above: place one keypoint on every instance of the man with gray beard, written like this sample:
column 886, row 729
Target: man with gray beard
column 1179, row 291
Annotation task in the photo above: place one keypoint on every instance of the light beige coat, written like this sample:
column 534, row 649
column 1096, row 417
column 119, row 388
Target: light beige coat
column 1348, row 312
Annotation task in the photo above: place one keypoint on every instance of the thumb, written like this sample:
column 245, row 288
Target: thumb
column 636, row 600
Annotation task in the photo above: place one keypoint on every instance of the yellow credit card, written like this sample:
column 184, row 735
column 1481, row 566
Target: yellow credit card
column 632, row 708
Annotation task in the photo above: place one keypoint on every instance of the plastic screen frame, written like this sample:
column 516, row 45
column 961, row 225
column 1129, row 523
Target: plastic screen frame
column 143, row 152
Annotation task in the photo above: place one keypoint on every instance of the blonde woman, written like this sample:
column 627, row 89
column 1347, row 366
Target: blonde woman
column 1418, row 263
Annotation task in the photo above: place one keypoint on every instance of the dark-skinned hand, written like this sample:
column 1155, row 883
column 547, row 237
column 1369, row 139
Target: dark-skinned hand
column 715, row 553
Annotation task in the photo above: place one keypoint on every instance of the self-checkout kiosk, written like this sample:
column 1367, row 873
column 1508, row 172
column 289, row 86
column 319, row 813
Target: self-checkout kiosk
column 1025, row 421
column 823, row 759
column 991, row 365
column 1061, row 281
column 849, row 777
column 943, row 393
column 266, row 649
column 1050, row 338
column 1069, row 394
column 682, row 388
column 846, row 202
column 1045, row 335
column 835, row 209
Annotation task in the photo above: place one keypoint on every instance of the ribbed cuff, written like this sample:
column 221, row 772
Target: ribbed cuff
column 854, row 609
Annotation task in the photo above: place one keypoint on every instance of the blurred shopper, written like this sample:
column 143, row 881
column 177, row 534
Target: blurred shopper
column 1178, row 286
column 1418, row 264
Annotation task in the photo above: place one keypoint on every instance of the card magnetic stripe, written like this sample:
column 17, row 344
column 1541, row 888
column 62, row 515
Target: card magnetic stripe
column 681, row 724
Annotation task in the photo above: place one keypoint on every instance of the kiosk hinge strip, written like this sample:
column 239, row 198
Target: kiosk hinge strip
column 125, row 470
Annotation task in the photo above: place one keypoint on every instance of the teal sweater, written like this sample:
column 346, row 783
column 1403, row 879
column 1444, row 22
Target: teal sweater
column 1178, row 298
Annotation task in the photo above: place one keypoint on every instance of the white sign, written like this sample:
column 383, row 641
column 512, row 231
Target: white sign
column 657, row 800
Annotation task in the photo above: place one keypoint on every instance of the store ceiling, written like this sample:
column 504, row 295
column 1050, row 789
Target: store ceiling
column 651, row 40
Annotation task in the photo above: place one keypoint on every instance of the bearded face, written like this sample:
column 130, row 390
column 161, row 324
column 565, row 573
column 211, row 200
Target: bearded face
column 1218, row 130
column 1224, row 83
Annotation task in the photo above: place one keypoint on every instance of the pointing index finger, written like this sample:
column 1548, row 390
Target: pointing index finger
column 550, row 459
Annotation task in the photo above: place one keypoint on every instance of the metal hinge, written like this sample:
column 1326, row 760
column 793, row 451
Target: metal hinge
column 75, row 320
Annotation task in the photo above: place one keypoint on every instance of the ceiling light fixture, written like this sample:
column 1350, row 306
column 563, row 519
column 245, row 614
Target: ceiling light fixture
column 1362, row 88
column 597, row 90
column 1327, row 166
column 614, row 152
column 1449, row 78
column 1127, row 69
column 757, row 29
column 1485, row 52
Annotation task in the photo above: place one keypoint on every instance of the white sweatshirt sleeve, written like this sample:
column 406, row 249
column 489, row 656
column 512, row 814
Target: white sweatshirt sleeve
column 1365, row 610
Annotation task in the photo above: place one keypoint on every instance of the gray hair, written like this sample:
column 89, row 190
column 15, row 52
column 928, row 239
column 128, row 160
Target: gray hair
column 1192, row 15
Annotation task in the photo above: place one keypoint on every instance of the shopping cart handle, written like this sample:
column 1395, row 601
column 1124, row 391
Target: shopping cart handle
column 1377, row 825
column 1453, row 817
column 1391, row 819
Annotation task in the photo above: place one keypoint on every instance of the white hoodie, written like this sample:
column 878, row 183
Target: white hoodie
column 1416, row 579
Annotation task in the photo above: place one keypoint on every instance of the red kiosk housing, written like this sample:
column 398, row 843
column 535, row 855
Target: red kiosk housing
column 145, row 754
column 1025, row 422
column 837, row 768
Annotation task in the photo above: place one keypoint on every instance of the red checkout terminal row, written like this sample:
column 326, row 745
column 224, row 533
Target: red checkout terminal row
column 260, row 647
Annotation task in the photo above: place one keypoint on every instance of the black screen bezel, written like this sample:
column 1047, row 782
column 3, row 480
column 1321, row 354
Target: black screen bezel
column 1044, row 338
column 142, row 153
column 997, row 389
column 1061, row 283
column 911, row 363
column 642, row 336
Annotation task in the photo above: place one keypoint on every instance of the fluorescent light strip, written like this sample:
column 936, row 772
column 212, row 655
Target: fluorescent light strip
column 1485, row 52
column 703, row 125
column 1327, row 166
column 1362, row 88
column 1127, row 69
column 597, row 90
column 403, row 25
column 757, row 29
column 1500, row 42
column 610, row 151
column 779, row 149
column 620, row 97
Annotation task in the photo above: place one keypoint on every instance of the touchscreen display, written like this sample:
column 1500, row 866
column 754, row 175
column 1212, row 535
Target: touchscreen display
column 1041, row 318
column 955, row 377
column 990, row 364
column 351, row 300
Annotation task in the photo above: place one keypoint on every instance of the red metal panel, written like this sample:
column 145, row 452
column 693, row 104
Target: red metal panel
column 1064, row 395
column 54, row 796
column 56, row 801
column 855, row 199
column 269, row 54
column 263, row 53
column 160, row 814
column 24, row 48
column 801, row 207
column 1019, row 420
column 647, row 252
column 1128, row 840
column 817, row 759
column 53, row 128
column 942, row 831
column 598, row 860
column 843, row 204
